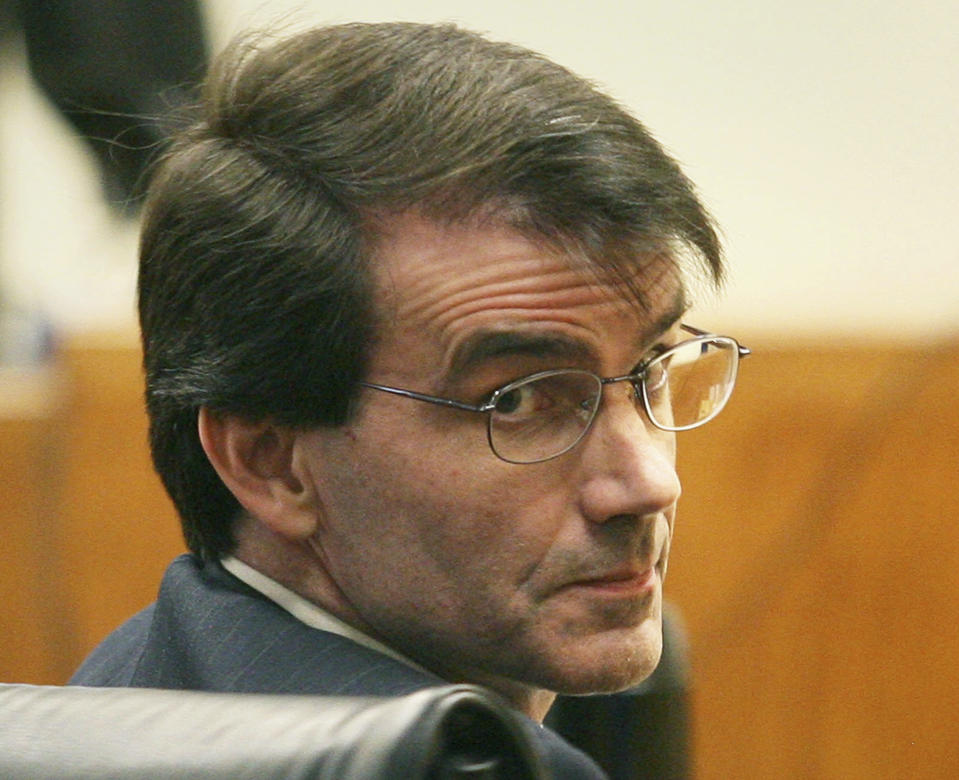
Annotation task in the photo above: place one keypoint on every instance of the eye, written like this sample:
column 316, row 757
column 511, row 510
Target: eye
column 552, row 396
column 523, row 400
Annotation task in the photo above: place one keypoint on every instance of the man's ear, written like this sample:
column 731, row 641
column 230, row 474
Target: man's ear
column 256, row 462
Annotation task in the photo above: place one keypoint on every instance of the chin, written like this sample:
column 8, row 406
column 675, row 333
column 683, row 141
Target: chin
column 607, row 664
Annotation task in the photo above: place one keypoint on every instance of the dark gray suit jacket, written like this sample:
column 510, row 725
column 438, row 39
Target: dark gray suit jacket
column 209, row 631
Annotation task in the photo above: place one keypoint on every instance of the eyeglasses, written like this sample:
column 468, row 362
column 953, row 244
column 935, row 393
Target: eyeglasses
column 543, row 415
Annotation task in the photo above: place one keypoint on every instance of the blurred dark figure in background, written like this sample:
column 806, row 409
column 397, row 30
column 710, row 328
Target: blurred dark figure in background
column 115, row 69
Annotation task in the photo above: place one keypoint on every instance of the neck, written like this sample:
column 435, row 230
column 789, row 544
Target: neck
column 295, row 567
column 537, row 704
column 534, row 702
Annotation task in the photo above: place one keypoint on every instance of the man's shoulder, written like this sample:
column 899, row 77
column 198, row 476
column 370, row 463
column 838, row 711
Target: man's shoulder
column 113, row 664
column 209, row 631
column 117, row 660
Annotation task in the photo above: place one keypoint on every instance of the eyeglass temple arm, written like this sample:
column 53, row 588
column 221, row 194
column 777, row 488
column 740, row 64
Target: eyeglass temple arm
column 743, row 351
column 432, row 399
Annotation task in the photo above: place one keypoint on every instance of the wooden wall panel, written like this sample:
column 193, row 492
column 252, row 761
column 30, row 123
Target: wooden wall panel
column 816, row 559
column 118, row 528
column 817, row 563
column 33, row 632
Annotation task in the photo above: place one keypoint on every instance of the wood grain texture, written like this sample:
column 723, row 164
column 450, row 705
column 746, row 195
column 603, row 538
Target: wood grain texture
column 118, row 528
column 816, row 559
column 817, row 564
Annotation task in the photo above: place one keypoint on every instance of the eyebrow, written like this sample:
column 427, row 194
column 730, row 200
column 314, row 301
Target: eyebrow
column 488, row 344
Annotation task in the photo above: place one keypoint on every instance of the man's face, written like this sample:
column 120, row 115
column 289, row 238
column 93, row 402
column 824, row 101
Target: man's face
column 549, row 575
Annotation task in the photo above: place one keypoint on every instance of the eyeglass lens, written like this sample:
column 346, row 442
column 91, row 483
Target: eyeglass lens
column 535, row 419
column 543, row 416
column 689, row 385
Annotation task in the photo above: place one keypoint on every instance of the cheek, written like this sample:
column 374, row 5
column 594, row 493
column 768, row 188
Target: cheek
column 477, row 518
column 476, row 534
column 437, row 510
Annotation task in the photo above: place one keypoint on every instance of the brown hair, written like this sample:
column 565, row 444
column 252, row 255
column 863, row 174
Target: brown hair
column 254, row 289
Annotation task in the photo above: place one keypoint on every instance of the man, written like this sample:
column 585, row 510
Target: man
column 412, row 306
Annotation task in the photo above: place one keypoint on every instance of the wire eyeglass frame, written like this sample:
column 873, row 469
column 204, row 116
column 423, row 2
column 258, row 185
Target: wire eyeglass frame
column 638, row 378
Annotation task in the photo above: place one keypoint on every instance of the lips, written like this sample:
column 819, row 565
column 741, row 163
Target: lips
column 623, row 582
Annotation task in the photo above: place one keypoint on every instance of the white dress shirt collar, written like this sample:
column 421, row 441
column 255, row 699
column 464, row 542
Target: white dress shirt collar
column 306, row 611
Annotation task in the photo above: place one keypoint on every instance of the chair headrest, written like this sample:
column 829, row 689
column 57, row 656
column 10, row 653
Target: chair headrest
column 441, row 733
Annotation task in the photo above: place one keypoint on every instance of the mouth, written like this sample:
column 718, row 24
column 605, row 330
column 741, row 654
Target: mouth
column 622, row 583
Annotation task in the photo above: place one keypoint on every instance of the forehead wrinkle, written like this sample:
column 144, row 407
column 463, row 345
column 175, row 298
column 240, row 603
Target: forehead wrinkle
column 510, row 286
column 542, row 341
column 517, row 332
column 525, row 289
column 525, row 323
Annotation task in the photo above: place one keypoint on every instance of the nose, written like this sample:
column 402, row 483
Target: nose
column 629, row 466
